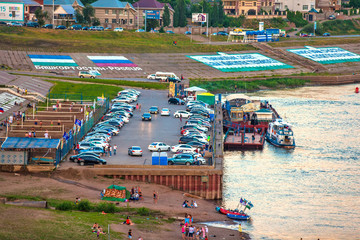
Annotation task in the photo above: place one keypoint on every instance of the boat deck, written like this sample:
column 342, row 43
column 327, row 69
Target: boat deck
column 240, row 142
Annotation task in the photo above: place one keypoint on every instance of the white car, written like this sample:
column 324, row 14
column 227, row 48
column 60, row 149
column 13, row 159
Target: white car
column 165, row 112
column 200, row 127
column 122, row 99
column 119, row 29
column 182, row 113
column 159, row 146
column 151, row 77
column 135, row 151
column 98, row 143
column 182, row 147
column 194, row 132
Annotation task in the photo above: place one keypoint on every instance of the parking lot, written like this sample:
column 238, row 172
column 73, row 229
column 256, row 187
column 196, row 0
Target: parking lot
column 142, row 133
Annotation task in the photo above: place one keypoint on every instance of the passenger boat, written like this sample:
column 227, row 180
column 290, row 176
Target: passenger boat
column 280, row 134
column 226, row 211
column 242, row 216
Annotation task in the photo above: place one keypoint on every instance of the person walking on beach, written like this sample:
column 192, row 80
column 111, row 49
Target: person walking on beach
column 156, row 197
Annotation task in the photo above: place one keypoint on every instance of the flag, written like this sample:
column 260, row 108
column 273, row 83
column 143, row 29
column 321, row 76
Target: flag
column 244, row 202
column 247, row 206
column 111, row 61
column 65, row 136
column 241, row 201
column 250, row 204
column 78, row 122
column 1, row 110
column 52, row 60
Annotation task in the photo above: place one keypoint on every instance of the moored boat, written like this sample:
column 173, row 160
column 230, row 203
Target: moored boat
column 242, row 216
column 280, row 134
column 226, row 211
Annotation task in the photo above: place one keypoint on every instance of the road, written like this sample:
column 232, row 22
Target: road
column 139, row 133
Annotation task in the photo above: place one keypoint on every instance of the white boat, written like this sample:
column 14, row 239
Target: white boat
column 280, row 134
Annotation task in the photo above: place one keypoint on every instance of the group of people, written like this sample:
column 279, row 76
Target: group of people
column 110, row 150
column 97, row 229
column 136, row 193
column 186, row 204
column 191, row 232
column 138, row 107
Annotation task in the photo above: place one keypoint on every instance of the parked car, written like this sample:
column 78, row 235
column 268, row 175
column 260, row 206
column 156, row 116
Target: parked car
column 97, row 150
column 90, row 160
column 156, row 146
column 75, row 27
column 118, row 29
column 86, row 74
column 108, row 29
column 154, row 109
column 331, row 17
column 165, row 112
column 16, row 24
column 196, row 144
column 140, row 30
column 122, row 99
column 75, row 158
column 170, row 32
column 85, row 28
column 85, row 145
column 187, row 33
column 3, row 23
column 146, row 116
column 222, row 33
column 49, row 26
column 326, row 34
column 182, row 159
column 176, row 101
column 151, row 77
column 32, row 24
column 181, row 147
column 182, row 113
column 61, row 27
column 135, row 151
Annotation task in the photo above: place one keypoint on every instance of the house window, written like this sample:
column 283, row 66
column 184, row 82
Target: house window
column 269, row 3
column 106, row 12
column 254, row 4
column 131, row 21
column 106, row 20
column 120, row 12
column 305, row 7
column 113, row 20
column 113, row 11
column 26, row 8
column 312, row 6
column 243, row 12
column 262, row 4
column 243, row 3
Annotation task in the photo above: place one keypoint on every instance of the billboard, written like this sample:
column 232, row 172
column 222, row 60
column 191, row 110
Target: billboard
column 199, row 17
column 152, row 14
column 11, row 11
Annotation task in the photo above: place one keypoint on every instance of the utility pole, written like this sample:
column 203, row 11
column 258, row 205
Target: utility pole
column 53, row 13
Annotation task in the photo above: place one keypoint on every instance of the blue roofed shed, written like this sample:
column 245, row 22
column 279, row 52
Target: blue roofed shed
column 30, row 143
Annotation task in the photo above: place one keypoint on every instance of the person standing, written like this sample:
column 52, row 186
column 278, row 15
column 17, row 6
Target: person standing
column 137, row 106
column 110, row 150
column 115, row 147
column 180, row 117
column 129, row 234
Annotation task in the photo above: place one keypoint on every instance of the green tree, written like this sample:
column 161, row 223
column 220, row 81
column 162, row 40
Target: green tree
column 88, row 13
column 79, row 17
column 181, row 13
column 151, row 24
column 95, row 21
column 214, row 16
column 354, row 3
column 41, row 16
column 221, row 14
column 166, row 16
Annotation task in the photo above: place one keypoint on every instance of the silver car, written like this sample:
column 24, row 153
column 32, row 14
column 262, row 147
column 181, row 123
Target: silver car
column 135, row 151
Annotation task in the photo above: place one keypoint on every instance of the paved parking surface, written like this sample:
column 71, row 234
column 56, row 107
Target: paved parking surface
column 141, row 133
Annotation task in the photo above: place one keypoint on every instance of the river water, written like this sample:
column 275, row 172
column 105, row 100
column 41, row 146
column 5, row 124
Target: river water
column 312, row 191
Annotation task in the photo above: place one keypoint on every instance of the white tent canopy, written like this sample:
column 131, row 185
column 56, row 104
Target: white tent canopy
column 195, row 89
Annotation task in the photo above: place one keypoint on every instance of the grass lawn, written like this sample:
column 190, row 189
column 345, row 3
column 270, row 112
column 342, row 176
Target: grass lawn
column 49, row 40
column 88, row 91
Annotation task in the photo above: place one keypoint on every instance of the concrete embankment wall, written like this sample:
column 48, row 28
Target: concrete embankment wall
column 331, row 80
column 203, row 181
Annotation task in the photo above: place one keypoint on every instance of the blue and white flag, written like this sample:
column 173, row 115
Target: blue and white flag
column 65, row 136
column 78, row 122
column 52, row 60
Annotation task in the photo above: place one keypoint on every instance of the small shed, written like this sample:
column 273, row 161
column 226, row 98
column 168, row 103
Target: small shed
column 206, row 98
column 264, row 115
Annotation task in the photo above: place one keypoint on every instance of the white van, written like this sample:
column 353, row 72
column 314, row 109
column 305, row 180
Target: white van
column 164, row 76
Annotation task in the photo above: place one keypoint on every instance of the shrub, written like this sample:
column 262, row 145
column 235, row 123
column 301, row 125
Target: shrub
column 143, row 211
column 106, row 207
column 84, row 205
column 65, row 206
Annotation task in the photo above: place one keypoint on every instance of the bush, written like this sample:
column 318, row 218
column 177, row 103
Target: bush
column 161, row 30
column 143, row 211
column 84, row 205
column 106, row 207
column 65, row 206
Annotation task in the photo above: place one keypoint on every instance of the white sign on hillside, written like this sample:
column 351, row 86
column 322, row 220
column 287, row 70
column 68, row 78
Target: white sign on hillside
column 11, row 11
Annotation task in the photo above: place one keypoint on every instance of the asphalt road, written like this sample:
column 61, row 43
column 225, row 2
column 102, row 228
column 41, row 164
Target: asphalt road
column 142, row 133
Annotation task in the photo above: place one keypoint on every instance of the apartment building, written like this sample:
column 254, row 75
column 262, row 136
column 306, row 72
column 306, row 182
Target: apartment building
column 249, row 7
column 295, row 5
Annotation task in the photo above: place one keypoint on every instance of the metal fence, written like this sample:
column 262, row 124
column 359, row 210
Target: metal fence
column 71, row 97
column 77, row 133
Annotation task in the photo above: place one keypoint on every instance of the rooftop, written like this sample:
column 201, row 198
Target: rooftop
column 111, row 4
column 150, row 4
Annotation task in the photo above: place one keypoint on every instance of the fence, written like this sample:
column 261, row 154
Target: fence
column 77, row 133
column 71, row 97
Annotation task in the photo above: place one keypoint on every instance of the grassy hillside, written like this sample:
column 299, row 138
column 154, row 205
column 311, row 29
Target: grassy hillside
column 50, row 40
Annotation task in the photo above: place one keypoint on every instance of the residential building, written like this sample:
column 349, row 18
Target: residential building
column 256, row 8
column 64, row 10
column 328, row 5
column 294, row 5
column 113, row 13
column 153, row 5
